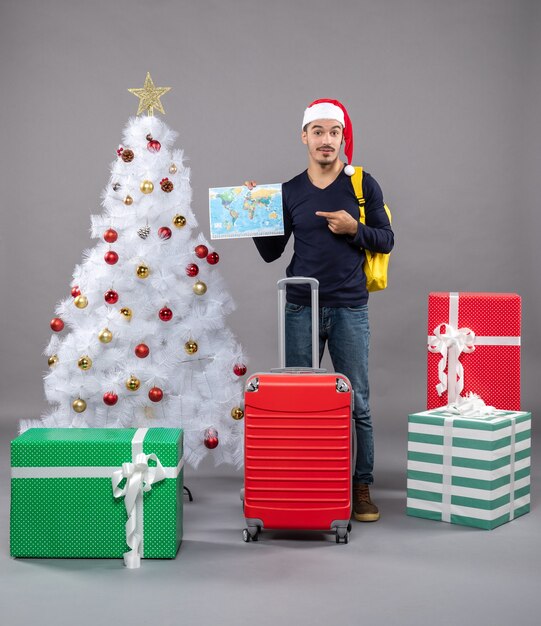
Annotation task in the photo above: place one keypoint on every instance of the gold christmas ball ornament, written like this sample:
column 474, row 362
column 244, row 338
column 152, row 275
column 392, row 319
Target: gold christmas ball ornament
column 237, row 413
column 142, row 271
column 81, row 302
column 133, row 383
column 128, row 200
column 126, row 313
column 79, row 405
column 179, row 221
column 172, row 168
column 52, row 360
column 105, row 335
column 146, row 186
column 85, row 362
column 191, row 347
column 199, row 288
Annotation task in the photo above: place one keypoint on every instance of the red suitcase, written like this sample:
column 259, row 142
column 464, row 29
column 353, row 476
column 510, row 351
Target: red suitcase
column 297, row 458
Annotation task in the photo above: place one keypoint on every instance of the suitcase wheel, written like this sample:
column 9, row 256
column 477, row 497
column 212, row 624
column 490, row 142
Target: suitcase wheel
column 250, row 534
column 342, row 534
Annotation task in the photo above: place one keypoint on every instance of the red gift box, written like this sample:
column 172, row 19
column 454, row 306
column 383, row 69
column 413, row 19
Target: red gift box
column 474, row 346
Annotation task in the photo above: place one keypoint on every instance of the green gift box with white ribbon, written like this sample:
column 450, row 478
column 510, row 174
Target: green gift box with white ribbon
column 469, row 470
column 94, row 492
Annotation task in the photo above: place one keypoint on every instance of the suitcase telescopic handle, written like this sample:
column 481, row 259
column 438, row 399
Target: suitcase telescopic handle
column 314, row 288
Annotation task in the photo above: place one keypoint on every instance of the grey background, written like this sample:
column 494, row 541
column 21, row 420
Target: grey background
column 444, row 99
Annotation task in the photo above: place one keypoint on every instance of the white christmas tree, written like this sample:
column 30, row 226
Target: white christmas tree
column 142, row 341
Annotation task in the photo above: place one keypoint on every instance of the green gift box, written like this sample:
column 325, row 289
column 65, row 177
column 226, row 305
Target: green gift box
column 94, row 492
column 468, row 470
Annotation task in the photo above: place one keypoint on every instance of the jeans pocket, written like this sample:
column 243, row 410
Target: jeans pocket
column 358, row 309
column 294, row 308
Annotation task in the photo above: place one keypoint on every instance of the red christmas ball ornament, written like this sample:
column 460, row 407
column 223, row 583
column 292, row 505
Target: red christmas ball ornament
column 213, row 258
column 110, row 398
column 154, row 145
column 75, row 291
column 192, row 269
column 142, row 351
column 155, row 394
column 165, row 314
column 111, row 296
column 239, row 369
column 57, row 324
column 110, row 235
column 201, row 251
column 111, row 257
column 164, row 232
column 211, row 438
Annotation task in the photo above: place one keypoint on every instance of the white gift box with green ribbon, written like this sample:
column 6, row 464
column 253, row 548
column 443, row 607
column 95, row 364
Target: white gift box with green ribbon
column 469, row 470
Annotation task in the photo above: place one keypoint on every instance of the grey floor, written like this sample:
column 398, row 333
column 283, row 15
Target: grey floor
column 399, row 570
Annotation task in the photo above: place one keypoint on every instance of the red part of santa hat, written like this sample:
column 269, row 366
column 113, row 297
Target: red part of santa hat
column 326, row 109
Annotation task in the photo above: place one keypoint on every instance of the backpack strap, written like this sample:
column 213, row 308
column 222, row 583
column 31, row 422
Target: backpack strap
column 357, row 182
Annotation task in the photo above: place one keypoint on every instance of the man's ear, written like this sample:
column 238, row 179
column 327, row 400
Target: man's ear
column 304, row 137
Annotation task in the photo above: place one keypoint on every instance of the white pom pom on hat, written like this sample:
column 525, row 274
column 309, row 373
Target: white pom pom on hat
column 325, row 109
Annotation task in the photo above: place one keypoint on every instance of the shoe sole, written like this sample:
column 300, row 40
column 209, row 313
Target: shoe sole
column 366, row 517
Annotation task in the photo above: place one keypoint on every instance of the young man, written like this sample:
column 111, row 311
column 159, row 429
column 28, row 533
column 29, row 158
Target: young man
column 322, row 212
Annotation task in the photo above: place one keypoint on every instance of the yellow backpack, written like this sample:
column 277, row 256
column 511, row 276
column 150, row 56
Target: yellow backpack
column 376, row 264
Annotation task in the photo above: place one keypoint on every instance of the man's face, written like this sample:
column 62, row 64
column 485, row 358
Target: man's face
column 323, row 139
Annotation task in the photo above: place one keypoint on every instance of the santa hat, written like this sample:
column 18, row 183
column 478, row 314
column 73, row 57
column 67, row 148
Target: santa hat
column 325, row 109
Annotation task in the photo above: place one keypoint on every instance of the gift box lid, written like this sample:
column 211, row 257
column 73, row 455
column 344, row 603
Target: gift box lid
column 487, row 314
column 96, row 447
column 498, row 421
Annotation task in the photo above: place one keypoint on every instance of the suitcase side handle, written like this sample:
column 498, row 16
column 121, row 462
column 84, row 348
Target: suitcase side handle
column 314, row 289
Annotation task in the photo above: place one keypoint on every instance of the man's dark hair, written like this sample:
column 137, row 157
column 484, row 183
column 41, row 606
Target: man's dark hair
column 305, row 127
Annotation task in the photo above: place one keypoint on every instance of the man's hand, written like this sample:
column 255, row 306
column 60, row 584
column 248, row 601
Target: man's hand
column 340, row 222
column 250, row 184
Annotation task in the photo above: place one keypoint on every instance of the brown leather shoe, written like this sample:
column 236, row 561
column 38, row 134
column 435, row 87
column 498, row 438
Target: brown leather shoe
column 364, row 510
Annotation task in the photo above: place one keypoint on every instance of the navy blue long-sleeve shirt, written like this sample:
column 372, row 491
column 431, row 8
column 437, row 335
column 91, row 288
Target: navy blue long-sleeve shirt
column 335, row 260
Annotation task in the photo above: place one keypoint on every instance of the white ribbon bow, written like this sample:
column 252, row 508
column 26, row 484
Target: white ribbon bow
column 139, row 478
column 447, row 338
column 471, row 405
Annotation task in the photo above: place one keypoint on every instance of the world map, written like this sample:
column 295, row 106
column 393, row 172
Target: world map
column 240, row 212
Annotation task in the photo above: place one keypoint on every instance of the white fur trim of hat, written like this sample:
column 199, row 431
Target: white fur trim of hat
column 323, row 111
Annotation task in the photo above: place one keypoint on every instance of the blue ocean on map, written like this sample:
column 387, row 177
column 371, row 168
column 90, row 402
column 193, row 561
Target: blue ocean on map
column 240, row 212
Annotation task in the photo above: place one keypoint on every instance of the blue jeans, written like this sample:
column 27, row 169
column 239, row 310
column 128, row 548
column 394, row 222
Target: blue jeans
column 347, row 332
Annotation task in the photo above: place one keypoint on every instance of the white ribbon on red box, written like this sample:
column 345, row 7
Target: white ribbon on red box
column 451, row 341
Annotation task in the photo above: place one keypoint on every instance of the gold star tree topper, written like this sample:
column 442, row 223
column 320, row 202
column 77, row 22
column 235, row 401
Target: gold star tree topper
column 149, row 96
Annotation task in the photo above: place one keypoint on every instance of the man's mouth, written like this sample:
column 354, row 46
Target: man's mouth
column 326, row 149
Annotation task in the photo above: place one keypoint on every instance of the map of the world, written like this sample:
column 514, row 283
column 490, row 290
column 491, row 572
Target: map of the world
column 240, row 212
